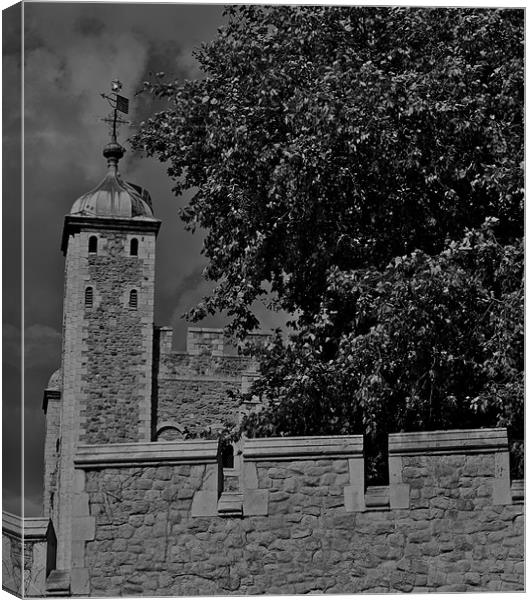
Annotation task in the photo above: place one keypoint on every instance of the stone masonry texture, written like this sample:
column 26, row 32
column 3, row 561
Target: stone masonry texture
column 116, row 363
column 192, row 387
column 452, row 538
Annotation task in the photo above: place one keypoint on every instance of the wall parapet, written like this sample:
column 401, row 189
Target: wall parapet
column 146, row 453
column 407, row 449
column 456, row 441
column 308, row 447
column 449, row 520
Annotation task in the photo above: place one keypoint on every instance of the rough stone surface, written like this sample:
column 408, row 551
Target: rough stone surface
column 452, row 538
column 118, row 338
column 52, row 448
column 192, row 387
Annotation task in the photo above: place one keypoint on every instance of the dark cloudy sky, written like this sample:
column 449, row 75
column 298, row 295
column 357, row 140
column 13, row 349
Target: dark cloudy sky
column 72, row 52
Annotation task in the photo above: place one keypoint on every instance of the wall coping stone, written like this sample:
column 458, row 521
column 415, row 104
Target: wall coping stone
column 34, row 527
column 205, row 329
column 456, row 441
column 11, row 523
column 518, row 490
column 58, row 583
column 201, row 378
column 224, row 356
column 302, row 448
column 147, row 453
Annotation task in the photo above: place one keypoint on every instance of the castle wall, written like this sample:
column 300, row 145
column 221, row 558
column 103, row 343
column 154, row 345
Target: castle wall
column 156, row 520
column 192, row 386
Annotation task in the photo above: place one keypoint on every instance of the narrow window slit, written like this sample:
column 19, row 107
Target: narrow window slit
column 133, row 299
column 89, row 297
column 93, row 244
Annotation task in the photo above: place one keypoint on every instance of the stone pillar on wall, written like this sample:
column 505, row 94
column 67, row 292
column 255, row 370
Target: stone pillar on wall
column 165, row 335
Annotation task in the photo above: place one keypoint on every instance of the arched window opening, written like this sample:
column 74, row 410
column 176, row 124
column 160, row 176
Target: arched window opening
column 227, row 457
column 133, row 250
column 93, row 244
column 89, row 297
column 133, row 299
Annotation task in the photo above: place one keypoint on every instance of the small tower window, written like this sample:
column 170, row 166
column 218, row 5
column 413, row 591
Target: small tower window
column 133, row 299
column 89, row 297
column 93, row 244
column 133, row 249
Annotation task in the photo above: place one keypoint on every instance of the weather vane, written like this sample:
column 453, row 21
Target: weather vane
column 118, row 103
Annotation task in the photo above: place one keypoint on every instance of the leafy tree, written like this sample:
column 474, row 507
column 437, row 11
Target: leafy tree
column 429, row 342
column 334, row 154
column 326, row 136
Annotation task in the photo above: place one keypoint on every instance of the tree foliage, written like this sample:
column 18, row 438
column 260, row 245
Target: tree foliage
column 342, row 137
column 362, row 169
column 429, row 342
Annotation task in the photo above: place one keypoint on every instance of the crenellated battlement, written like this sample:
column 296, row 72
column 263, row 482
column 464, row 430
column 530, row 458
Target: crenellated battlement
column 155, row 518
column 450, row 520
column 193, row 386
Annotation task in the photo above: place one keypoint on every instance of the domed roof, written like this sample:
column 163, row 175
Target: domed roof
column 114, row 197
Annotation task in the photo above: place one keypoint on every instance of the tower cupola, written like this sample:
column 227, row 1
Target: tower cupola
column 113, row 197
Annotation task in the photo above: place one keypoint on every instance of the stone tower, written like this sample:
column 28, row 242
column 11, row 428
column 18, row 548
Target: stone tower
column 109, row 244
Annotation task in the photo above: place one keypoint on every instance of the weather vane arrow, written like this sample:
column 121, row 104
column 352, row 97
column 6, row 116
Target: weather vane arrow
column 118, row 104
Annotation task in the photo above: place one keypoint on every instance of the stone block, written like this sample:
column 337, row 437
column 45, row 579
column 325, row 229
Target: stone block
column 230, row 504
column 255, row 502
column 250, row 476
column 211, row 478
column 79, row 582
column 354, row 498
column 83, row 528
column 399, row 495
column 395, row 469
column 80, row 505
column 79, row 480
column 78, row 554
column 501, row 488
column 205, row 504
column 356, row 469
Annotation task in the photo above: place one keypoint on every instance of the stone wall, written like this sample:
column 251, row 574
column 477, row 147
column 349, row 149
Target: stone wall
column 28, row 554
column 118, row 341
column 52, row 444
column 155, row 519
column 192, row 387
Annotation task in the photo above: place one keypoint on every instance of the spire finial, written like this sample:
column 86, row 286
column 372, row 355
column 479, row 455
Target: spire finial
column 113, row 151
